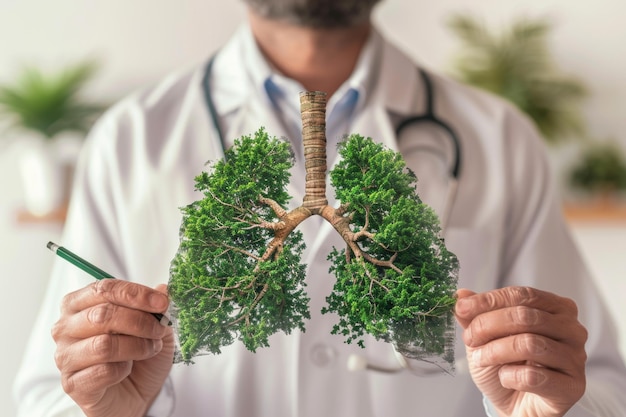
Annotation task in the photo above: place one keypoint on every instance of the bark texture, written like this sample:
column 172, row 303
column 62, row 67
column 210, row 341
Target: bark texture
column 313, row 110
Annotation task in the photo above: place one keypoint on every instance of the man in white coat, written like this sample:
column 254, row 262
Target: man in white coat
column 522, row 349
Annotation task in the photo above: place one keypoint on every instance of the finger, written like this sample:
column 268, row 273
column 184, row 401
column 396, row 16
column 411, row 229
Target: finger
column 469, row 307
column 86, row 385
column 462, row 293
column 521, row 319
column 115, row 291
column 109, row 318
column 530, row 348
column 555, row 387
column 105, row 348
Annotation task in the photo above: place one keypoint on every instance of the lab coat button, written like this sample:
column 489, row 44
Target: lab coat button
column 323, row 355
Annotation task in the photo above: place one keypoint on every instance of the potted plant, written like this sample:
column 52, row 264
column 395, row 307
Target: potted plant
column 517, row 65
column 600, row 173
column 42, row 110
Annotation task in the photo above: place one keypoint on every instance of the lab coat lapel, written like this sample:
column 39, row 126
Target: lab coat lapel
column 397, row 94
column 401, row 94
column 255, row 109
column 253, row 115
column 376, row 124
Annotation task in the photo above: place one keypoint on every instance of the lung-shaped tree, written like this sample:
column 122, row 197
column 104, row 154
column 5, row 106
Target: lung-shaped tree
column 238, row 271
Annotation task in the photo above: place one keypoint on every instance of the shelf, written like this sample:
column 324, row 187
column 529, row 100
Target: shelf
column 57, row 216
column 579, row 213
column 595, row 213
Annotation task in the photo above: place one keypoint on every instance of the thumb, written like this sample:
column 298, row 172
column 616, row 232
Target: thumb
column 464, row 292
column 161, row 288
column 461, row 294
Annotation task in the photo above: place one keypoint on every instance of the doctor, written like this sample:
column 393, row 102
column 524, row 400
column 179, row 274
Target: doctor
column 522, row 349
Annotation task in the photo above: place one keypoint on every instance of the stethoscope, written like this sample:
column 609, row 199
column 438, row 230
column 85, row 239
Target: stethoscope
column 356, row 362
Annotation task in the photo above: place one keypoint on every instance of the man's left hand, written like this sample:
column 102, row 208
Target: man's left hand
column 525, row 348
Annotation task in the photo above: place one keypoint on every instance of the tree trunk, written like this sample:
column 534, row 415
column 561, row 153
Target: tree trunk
column 313, row 110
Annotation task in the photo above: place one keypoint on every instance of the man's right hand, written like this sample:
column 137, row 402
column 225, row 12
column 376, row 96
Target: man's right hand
column 114, row 356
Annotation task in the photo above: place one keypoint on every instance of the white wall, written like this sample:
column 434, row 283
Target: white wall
column 141, row 40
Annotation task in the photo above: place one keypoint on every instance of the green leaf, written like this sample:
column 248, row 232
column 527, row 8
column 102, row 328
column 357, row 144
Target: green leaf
column 50, row 104
column 411, row 302
column 516, row 64
column 220, row 289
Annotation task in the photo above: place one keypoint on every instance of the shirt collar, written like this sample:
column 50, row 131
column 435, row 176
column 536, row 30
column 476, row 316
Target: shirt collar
column 284, row 93
column 383, row 75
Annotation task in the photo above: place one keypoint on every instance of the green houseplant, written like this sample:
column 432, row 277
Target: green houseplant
column 49, row 105
column 516, row 64
column 600, row 171
column 46, row 115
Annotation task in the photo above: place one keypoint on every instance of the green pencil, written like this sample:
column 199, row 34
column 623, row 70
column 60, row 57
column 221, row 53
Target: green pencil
column 95, row 272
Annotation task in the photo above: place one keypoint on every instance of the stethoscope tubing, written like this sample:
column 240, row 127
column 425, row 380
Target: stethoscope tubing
column 428, row 116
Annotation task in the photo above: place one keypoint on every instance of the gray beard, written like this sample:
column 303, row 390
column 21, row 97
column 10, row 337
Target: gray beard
column 326, row 14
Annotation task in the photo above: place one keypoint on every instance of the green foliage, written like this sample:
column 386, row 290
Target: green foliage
column 396, row 281
column 602, row 168
column 412, row 302
column 220, row 290
column 50, row 105
column 517, row 66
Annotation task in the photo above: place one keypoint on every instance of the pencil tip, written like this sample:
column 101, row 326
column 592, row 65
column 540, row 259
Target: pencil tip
column 52, row 246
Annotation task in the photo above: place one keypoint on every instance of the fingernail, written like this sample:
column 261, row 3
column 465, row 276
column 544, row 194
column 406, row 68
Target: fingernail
column 158, row 301
column 524, row 378
column 535, row 378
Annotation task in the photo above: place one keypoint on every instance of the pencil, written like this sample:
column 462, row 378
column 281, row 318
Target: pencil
column 95, row 272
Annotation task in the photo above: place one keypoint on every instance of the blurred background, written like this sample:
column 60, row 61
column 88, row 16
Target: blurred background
column 63, row 62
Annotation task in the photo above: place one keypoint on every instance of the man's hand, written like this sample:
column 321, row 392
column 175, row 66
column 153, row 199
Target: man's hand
column 525, row 348
column 113, row 354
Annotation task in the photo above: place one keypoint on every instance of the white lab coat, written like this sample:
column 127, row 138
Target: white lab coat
column 506, row 229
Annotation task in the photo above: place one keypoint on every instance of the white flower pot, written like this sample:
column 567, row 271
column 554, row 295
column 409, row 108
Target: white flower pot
column 45, row 168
